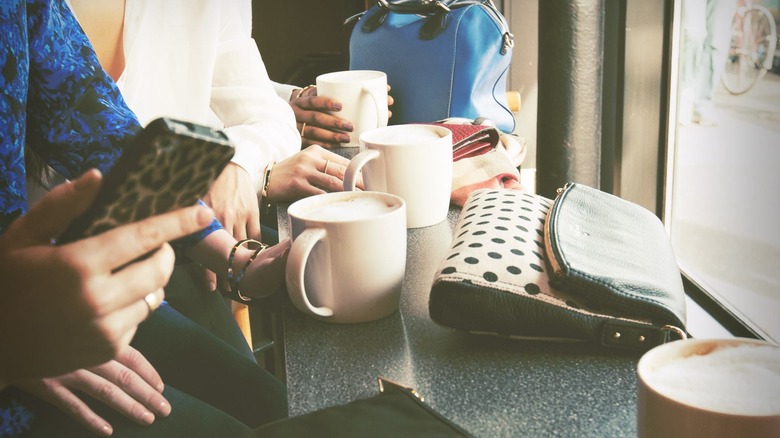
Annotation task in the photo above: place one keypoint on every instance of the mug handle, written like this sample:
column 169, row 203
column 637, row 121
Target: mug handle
column 381, row 111
column 357, row 163
column 296, row 267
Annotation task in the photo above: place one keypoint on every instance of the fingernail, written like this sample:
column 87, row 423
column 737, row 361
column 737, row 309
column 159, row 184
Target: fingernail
column 147, row 418
column 336, row 106
column 160, row 386
column 344, row 138
column 164, row 409
column 106, row 430
column 347, row 127
column 212, row 286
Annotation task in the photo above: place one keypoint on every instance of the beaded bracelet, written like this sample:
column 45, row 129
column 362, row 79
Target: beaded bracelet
column 236, row 282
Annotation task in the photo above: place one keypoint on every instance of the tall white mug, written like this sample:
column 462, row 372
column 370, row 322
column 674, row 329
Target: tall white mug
column 348, row 255
column 411, row 161
column 363, row 97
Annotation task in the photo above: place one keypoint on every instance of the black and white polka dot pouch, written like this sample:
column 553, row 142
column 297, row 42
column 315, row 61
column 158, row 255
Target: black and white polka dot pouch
column 496, row 279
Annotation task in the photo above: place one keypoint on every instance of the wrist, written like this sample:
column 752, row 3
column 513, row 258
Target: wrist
column 236, row 268
column 241, row 256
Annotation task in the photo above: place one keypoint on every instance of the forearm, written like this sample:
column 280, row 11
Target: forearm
column 260, row 143
column 259, row 123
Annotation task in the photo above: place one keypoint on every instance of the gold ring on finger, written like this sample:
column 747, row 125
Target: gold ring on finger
column 327, row 163
column 303, row 127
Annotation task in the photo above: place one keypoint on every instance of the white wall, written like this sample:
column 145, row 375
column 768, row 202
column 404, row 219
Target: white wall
column 523, row 17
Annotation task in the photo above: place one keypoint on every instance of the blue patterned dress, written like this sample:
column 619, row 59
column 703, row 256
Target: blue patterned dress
column 58, row 100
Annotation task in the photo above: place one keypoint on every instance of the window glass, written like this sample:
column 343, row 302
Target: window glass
column 725, row 189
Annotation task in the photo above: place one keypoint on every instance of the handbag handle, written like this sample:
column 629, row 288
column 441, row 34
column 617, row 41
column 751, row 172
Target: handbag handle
column 434, row 25
column 436, row 22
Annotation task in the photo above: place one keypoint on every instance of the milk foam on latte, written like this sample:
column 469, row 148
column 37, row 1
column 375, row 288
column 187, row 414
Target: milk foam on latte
column 354, row 208
column 403, row 135
column 740, row 380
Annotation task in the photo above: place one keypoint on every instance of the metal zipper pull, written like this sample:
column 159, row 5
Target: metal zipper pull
column 389, row 383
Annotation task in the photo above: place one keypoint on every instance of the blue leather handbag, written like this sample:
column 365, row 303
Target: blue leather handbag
column 442, row 58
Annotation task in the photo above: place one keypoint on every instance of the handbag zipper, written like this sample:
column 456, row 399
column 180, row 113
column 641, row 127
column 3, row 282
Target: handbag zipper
column 555, row 266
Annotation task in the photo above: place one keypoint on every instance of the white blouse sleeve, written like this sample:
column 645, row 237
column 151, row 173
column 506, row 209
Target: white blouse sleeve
column 284, row 91
column 259, row 123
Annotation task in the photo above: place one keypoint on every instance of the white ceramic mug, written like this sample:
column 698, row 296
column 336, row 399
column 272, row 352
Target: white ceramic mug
column 363, row 97
column 709, row 388
column 348, row 255
column 411, row 161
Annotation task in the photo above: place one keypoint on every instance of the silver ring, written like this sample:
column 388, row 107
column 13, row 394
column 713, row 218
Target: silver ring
column 152, row 301
column 327, row 163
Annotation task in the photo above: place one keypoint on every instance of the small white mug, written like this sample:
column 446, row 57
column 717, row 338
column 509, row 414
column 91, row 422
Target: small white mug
column 711, row 388
column 363, row 97
column 411, row 161
column 348, row 255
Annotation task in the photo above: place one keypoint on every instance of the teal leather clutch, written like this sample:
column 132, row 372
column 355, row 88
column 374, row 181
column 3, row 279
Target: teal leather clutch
column 588, row 266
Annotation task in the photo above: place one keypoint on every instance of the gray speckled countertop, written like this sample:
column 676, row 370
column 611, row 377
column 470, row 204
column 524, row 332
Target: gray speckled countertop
column 492, row 387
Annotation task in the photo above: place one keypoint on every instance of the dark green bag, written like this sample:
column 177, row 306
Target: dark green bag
column 397, row 411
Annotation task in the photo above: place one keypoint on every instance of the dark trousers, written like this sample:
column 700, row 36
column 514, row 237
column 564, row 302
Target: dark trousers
column 212, row 380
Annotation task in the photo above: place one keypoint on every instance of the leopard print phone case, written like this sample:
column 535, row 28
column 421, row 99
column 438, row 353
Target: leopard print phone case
column 170, row 164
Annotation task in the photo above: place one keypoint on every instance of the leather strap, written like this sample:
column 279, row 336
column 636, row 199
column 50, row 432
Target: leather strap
column 436, row 12
column 434, row 24
column 416, row 7
column 636, row 336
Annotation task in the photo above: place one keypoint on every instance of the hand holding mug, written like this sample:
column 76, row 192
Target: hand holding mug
column 363, row 98
column 318, row 118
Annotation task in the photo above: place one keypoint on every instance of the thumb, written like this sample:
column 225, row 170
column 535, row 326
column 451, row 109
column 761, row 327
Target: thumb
column 52, row 214
column 209, row 279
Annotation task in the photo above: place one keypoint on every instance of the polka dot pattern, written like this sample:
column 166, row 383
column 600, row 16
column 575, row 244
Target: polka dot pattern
column 505, row 251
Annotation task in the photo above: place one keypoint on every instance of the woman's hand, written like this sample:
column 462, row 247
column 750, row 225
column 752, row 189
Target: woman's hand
column 315, row 123
column 311, row 171
column 129, row 385
column 266, row 274
column 320, row 127
column 234, row 201
column 76, row 305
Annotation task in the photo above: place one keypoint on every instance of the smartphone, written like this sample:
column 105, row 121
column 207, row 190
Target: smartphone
column 168, row 165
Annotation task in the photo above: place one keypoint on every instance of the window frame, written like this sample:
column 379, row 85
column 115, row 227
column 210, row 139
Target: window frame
column 630, row 155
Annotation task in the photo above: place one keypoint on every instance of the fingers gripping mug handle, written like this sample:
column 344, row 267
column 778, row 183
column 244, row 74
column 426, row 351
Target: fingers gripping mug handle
column 381, row 110
column 296, row 268
column 357, row 163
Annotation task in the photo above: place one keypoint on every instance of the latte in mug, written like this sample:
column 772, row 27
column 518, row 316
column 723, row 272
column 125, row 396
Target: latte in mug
column 408, row 135
column 710, row 387
column 742, row 379
column 348, row 256
column 353, row 208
